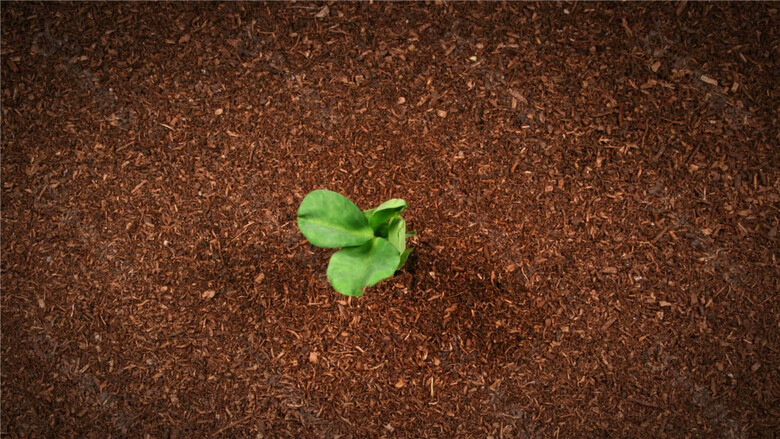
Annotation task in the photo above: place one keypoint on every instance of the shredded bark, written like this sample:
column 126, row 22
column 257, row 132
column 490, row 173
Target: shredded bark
column 595, row 188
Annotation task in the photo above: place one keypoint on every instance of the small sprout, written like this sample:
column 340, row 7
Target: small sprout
column 372, row 242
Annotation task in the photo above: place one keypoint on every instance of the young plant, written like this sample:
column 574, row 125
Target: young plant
column 373, row 241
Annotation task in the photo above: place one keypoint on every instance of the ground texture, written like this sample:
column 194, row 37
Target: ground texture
column 596, row 189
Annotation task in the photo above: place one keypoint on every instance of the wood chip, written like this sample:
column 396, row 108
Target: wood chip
column 324, row 12
column 680, row 7
column 608, row 323
column 519, row 96
column 708, row 80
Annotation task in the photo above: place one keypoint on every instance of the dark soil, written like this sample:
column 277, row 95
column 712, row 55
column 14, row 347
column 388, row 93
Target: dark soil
column 596, row 188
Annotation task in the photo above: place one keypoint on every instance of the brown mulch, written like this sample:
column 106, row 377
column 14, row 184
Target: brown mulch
column 596, row 188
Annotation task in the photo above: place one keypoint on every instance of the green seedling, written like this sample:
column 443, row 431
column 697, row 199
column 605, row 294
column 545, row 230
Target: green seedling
column 372, row 242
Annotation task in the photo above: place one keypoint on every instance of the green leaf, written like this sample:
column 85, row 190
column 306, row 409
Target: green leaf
column 386, row 211
column 396, row 234
column 404, row 256
column 397, row 237
column 368, row 213
column 392, row 203
column 353, row 268
column 329, row 219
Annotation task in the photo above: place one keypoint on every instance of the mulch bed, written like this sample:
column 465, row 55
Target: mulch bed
column 596, row 188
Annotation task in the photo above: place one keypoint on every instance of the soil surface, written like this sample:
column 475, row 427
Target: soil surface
column 596, row 189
